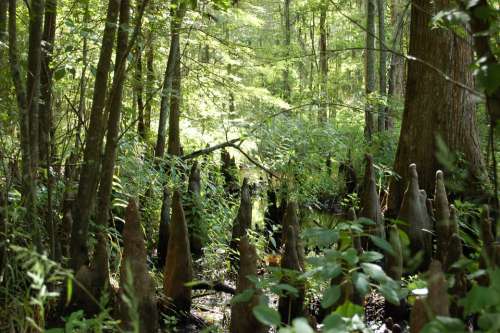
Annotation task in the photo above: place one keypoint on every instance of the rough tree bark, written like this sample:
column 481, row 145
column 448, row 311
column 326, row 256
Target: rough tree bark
column 435, row 107
column 370, row 66
column 395, row 88
column 93, row 144
column 174, row 135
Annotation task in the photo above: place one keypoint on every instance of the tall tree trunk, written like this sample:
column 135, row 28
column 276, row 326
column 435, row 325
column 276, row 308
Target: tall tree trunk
column 33, row 76
column 436, row 107
column 174, row 140
column 28, row 178
column 286, row 72
column 323, row 62
column 395, row 89
column 150, row 78
column 4, row 5
column 370, row 66
column 382, row 65
column 108, row 164
column 4, row 84
column 139, row 91
column 171, row 89
column 83, row 80
column 177, row 14
column 93, row 144
column 46, row 127
column 480, row 28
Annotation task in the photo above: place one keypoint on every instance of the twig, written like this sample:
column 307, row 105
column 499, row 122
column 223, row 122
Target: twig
column 210, row 149
column 253, row 161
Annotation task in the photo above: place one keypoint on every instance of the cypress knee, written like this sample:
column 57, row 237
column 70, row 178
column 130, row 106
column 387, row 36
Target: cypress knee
column 395, row 260
column 164, row 230
column 356, row 239
column 489, row 252
column 135, row 282
column 442, row 214
column 291, row 306
column 179, row 266
column 242, row 318
column 414, row 212
column 435, row 304
column 229, row 173
column 242, row 222
column 193, row 211
column 370, row 200
column 272, row 218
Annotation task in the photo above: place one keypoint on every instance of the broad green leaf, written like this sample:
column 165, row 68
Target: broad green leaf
column 389, row 293
column 490, row 322
column 374, row 271
column 478, row 299
column 334, row 323
column 300, row 325
column 331, row 296
column 244, row 296
column 349, row 309
column 286, row 287
column 382, row 244
column 266, row 315
column 370, row 256
column 350, row 256
column 444, row 325
column 360, row 281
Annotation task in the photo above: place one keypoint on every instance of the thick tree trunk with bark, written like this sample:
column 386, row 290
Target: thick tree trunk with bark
column 436, row 107
column 33, row 76
column 395, row 85
column 46, row 128
column 93, row 144
column 177, row 15
column 113, row 127
column 174, row 138
column 28, row 173
column 171, row 89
